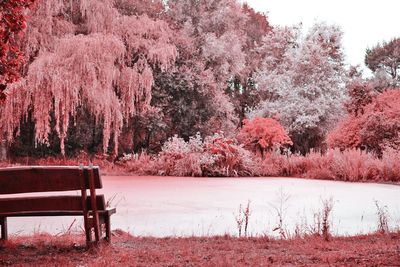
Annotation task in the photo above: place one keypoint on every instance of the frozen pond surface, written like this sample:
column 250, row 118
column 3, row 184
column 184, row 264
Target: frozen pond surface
column 173, row 206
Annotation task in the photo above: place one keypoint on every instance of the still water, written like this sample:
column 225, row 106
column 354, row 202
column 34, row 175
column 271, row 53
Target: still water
column 179, row 206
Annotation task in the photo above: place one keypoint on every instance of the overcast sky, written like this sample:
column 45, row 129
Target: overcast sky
column 364, row 22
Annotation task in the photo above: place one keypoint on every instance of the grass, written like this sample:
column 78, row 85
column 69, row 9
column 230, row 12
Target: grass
column 69, row 250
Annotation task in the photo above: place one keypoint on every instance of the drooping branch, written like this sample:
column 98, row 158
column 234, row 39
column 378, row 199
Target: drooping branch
column 95, row 70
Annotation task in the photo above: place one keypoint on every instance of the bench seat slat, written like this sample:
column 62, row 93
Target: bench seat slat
column 44, row 179
column 47, row 203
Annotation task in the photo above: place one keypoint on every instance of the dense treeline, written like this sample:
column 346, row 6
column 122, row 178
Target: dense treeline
column 126, row 76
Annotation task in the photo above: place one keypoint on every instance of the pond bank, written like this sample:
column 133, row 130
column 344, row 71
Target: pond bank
column 69, row 250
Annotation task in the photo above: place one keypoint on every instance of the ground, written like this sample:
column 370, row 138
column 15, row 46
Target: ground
column 125, row 250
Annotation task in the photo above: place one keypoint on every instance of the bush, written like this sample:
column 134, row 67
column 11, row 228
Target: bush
column 263, row 134
column 230, row 159
column 181, row 158
column 215, row 156
column 274, row 164
column 140, row 164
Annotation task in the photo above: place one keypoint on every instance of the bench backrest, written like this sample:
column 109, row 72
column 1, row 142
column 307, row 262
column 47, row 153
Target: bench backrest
column 32, row 179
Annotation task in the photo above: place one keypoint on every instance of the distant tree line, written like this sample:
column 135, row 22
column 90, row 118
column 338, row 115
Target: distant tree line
column 123, row 76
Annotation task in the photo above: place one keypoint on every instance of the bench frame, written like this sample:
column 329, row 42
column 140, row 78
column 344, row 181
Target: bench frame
column 37, row 179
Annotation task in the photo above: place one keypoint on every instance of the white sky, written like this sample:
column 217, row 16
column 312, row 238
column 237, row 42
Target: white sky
column 364, row 22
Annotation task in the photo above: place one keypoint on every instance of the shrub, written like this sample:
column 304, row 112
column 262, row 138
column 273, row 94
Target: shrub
column 140, row 164
column 263, row 134
column 220, row 156
column 181, row 158
column 215, row 156
column 106, row 166
column 230, row 159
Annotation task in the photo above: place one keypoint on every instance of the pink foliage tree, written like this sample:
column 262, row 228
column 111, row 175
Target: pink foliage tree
column 210, row 43
column 221, row 39
column 218, row 31
column 346, row 134
column 376, row 129
column 91, row 56
column 12, row 23
column 263, row 134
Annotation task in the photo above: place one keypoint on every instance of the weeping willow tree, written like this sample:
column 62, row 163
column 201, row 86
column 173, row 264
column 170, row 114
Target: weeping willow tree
column 86, row 53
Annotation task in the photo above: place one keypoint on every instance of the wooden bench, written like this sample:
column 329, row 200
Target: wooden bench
column 34, row 179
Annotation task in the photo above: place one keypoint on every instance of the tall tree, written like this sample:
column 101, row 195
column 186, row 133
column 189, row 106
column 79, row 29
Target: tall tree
column 385, row 57
column 210, row 52
column 375, row 130
column 217, row 27
column 220, row 39
column 92, row 55
column 242, row 88
column 303, row 82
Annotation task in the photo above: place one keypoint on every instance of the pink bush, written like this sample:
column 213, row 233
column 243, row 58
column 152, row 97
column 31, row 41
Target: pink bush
column 314, row 165
column 215, row 156
column 274, row 164
column 230, row 159
column 376, row 129
column 263, row 134
column 106, row 166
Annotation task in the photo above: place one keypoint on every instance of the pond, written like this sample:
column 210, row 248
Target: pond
column 180, row 206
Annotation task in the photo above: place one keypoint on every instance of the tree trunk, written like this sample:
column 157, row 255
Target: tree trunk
column 3, row 150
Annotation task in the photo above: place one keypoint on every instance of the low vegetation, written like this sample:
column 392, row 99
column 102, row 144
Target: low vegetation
column 126, row 250
column 219, row 156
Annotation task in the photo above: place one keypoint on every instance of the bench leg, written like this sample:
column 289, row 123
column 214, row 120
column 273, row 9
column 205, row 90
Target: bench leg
column 3, row 224
column 96, row 229
column 88, row 229
column 108, row 227
column 88, row 234
column 92, row 229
